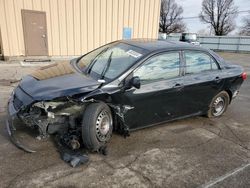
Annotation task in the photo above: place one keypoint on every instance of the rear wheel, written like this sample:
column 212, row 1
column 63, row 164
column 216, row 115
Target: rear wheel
column 97, row 126
column 218, row 104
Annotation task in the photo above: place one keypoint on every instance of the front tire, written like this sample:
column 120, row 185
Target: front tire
column 97, row 126
column 218, row 105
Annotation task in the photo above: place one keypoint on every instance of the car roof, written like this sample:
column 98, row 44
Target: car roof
column 159, row 45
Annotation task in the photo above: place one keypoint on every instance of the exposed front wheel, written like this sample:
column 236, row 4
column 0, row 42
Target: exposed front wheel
column 218, row 104
column 97, row 126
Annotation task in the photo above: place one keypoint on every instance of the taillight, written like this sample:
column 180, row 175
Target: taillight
column 244, row 76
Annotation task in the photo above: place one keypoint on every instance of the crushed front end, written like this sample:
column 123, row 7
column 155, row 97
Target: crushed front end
column 60, row 116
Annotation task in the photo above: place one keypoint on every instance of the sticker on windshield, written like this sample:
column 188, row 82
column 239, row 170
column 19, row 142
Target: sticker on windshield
column 134, row 53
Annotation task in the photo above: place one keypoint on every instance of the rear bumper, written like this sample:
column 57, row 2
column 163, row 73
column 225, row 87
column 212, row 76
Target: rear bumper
column 11, row 116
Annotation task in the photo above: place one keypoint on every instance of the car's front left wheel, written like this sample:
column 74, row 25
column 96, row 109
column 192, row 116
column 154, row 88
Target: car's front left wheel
column 97, row 126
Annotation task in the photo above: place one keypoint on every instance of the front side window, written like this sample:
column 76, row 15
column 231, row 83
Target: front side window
column 160, row 67
column 198, row 62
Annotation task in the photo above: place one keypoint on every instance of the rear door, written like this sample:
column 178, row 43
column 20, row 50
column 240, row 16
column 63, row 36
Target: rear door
column 158, row 99
column 202, row 81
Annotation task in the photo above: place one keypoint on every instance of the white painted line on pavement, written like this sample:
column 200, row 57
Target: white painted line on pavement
column 227, row 175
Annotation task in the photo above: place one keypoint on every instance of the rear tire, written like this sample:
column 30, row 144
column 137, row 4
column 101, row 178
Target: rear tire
column 218, row 105
column 97, row 126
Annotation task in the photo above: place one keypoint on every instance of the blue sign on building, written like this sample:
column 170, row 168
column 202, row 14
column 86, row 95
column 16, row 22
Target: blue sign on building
column 127, row 33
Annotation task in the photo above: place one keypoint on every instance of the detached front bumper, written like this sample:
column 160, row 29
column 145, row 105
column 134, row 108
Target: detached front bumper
column 11, row 116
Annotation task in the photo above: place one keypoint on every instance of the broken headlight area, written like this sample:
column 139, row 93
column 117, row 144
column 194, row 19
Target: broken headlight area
column 52, row 117
column 60, row 118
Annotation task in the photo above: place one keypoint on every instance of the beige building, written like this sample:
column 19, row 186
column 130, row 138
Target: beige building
column 73, row 27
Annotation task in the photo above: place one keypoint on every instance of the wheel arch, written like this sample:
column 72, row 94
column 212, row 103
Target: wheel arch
column 105, row 99
column 230, row 93
column 118, row 110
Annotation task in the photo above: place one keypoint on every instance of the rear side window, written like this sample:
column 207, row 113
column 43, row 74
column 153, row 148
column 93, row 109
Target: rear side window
column 199, row 62
column 160, row 67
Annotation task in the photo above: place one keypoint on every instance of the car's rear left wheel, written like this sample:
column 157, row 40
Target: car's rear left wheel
column 218, row 104
column 97, row 126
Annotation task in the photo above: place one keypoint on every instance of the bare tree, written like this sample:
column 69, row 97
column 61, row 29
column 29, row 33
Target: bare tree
column 245, row 29
column 219, row 14
column 170, row 17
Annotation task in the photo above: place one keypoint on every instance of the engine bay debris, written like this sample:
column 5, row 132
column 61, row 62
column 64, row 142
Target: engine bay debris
column 70, row 152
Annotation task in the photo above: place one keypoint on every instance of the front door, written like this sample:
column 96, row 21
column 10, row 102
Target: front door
column 35, row 33
column 159, row 98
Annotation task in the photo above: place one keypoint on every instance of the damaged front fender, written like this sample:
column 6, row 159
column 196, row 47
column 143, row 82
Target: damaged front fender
column 104, row 95
column 120, row 111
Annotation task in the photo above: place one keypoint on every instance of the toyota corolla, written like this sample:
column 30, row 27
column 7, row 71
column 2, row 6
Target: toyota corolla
column 123, row 86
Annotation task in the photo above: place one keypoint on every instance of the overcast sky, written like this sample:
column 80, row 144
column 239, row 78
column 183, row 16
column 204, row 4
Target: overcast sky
column 193, row 7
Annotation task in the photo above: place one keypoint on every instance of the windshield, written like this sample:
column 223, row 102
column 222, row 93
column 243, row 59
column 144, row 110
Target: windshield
column 110, row 61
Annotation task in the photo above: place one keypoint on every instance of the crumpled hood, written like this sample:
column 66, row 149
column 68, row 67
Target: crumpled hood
column 57, row 80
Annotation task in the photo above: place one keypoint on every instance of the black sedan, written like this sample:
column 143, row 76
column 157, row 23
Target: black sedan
column 123, row 86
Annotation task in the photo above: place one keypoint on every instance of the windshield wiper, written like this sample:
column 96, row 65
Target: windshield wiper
column 107, row 65
column 94, row 60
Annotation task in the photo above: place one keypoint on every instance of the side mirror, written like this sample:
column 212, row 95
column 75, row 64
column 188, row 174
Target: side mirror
column 135, row 82
column 132, row 82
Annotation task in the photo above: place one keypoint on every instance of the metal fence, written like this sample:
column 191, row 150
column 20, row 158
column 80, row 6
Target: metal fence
column 223, row 43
